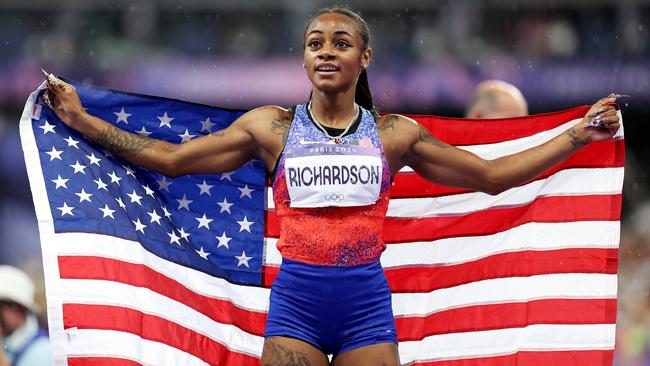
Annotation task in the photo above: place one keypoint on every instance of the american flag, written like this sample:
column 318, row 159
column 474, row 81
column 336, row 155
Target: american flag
column 145, row 269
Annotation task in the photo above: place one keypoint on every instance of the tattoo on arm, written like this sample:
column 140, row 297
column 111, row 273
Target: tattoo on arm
column 427, row 137
column 219, row 133
column 121, row 142
column 281, row 127
column 575, row 140
column 284, row 356
column 388, row 123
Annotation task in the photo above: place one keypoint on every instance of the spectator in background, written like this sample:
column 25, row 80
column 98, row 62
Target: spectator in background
column 496, row 99
column 23, row 342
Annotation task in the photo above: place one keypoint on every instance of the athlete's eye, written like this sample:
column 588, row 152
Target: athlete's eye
column 342, row 44
column 313, row 43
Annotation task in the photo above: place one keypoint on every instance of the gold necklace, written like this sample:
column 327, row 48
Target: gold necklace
column 337, row 139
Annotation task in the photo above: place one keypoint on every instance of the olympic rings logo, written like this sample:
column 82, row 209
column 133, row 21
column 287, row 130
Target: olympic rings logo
column 335, row 197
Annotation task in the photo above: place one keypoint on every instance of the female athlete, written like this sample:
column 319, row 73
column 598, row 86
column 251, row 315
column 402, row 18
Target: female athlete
column 332, row 160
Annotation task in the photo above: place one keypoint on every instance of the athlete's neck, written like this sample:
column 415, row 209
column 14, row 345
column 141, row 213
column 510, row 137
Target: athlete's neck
column 333, row 110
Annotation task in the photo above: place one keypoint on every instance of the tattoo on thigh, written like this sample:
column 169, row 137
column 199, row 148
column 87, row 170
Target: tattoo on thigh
column 121, row 142
column 426, row 136
column 281, row 127
column 284, row 356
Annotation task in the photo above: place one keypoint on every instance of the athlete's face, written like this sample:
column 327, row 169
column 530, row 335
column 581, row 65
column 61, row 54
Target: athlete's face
column 334, row 54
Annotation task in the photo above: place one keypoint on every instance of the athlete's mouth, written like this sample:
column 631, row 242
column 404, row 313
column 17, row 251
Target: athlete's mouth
column 327, row 68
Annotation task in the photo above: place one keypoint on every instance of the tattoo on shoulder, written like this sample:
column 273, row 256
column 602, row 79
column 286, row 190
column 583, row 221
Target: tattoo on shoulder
column 388, row 123
column 575, row 140
column 285, row 356
column 121, row 142
column 427, row 137
column 281, row 127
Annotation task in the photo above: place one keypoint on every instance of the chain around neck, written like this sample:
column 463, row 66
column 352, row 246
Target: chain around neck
column 322, row 127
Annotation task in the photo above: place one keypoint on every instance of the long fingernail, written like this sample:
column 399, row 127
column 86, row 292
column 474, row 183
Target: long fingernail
column 616, row 95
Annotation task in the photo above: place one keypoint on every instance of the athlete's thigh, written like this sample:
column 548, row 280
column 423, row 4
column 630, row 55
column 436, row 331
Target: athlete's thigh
column 284, row 351
column 384, row 354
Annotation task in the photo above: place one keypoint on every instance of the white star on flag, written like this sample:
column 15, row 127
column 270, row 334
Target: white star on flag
column 122, row 116
column 184, row 203
column 93, row 159
column 185, row 136
column 225, row 205
column 148, row 191
column 204, row 222
column 115, row 178
column 243, row 259
column 165, row 120
column 83, row 196
column 245, row 224
column 166, row 213
column 164, row 184
column 207, row 125
column 72, row 142
column 129, row 171
column 139, row 226
column 100, row 184
column 107, row 212
column 54, row 154
column 143, row 132
column 78, row 168
column 60, row 182
column 135, row 198
column 245, row 192
column 154, row 217
column 202, row 253
column 223, row 240
column 227, row 175
column 66, row 210
column 184, row 235
column 205, row 188
column 119, row 202
column 47, row 127
column 173, row 238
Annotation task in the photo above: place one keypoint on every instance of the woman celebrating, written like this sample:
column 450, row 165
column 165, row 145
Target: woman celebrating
column 332, row 161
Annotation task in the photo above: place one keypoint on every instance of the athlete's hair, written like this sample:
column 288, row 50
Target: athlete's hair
column 363, row 96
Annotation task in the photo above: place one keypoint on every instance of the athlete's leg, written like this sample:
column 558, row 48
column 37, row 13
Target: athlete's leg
column 284, row 351
column 384, row 354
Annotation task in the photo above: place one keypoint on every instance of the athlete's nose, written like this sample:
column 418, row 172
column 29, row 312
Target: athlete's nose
column 326, row 52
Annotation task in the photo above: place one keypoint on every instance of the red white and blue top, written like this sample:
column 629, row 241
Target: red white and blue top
column 331, row 197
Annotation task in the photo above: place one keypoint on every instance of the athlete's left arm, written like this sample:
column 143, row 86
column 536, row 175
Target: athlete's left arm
column 444, row 164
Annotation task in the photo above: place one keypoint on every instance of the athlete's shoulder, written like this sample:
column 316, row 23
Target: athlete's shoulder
column 392, row 122
column 269, row 112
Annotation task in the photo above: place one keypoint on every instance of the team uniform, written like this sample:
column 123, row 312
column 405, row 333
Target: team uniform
column 331, row 201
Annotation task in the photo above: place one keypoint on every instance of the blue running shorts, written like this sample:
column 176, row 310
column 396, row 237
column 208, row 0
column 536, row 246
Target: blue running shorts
column 335, row 309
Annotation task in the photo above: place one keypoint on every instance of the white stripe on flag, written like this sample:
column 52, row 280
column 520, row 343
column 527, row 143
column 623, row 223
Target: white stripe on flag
column 540, row 337
column 511, row 289
column 99, row 292
column 246, row 297
column 110, row 343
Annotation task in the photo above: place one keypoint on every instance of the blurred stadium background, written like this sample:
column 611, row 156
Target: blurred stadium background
column 428, row 55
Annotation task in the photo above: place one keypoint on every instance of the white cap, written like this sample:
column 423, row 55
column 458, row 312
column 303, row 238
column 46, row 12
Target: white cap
column 16, row 286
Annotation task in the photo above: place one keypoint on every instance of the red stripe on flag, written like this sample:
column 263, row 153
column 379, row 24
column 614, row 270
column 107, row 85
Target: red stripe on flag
column 606, row 154
column 269, row 273
column 520, row 314
column 533, row 358
column 494, row 220
column 490, row 221
column 516, row 264
column 101, row 361
column 457, row 131
column 153, row 328
column 222, row 311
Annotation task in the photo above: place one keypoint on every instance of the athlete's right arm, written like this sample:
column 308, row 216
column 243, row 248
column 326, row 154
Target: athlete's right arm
column 220, row 151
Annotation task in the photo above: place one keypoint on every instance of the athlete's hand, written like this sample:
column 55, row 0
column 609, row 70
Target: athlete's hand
column 601, row 122
column 64, row 101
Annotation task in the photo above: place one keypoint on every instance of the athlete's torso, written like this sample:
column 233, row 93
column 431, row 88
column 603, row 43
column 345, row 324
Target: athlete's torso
column 314, row 173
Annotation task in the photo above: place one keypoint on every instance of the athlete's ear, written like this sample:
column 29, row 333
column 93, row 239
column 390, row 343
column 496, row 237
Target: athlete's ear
column 366, row 56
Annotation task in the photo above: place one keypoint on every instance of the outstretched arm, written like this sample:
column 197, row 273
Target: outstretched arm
column 441, row 163
column 220, row 151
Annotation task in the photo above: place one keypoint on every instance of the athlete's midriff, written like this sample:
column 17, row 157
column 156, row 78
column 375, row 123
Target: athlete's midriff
column 332, row 236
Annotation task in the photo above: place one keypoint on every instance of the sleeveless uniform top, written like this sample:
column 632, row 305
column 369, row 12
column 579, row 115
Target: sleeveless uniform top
column 331, row 198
